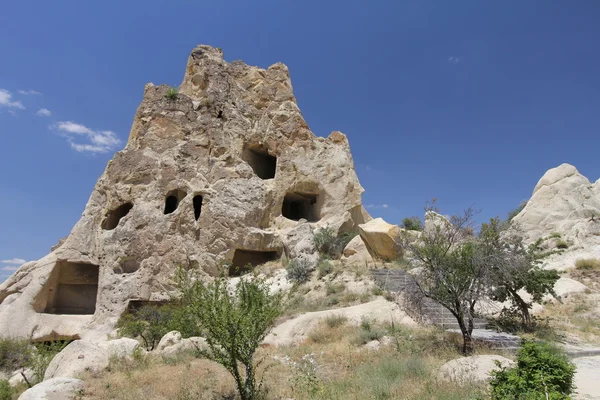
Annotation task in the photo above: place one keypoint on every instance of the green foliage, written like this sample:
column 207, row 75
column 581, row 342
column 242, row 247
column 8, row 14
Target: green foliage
column 562, row 244
column 541, row 372
column 329, row 245
column 512, row 268
column 516, row 211
column 234, row 323
column 6, row 392
column 412, row 224
column 14, row 353
column 587, row 264
column 152, row 322
column 324, row 268
column 42, row 355
column 333, row 321
column 172, row 92
column 299, row 270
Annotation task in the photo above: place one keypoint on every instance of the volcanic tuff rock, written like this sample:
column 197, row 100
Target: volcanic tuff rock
column 226, row 170
column 563, row 201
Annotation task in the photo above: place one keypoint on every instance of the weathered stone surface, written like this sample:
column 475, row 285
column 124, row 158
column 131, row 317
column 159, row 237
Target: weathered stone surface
column 75, row 359
column 120, row 348
column 471, row 369
column 172, row 343
column 380, row 238
column 356, row 252
column 563, row 201
column 53, row 389
column 228, row 164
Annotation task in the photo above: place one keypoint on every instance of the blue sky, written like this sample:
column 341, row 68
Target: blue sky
column 470, row 102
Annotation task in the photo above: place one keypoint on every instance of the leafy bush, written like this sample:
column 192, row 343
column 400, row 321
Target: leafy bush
column 333, row 321
column 234, row 323
column 368, row 332
column 299, row 270
column 14, row 353
column 412, row 224
column 587, row 264
column 151, row 323
column 541, row 372
column 6, row 392
column 562, row 244
column 41, row 357
column 329, row 245
column 172, row 92
column 324, row 268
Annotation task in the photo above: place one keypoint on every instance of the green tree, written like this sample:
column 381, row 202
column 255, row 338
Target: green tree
column 150, row 323
column 541, row 372
column 513, row 268
column 234, row 322
column 412, row 224
column 451, row 272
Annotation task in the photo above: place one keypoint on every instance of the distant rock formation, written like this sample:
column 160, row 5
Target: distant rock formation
column 224, row 171
column 563, row 202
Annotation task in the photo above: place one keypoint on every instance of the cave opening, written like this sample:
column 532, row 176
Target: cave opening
column 245, row 260
column 263, row 164
column 197, row 206
column 298, row 206
column 113, row 217
column 173, row 199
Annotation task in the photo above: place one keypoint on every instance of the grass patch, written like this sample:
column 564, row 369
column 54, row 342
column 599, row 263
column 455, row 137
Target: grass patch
column 562, row 244
column 587, row 264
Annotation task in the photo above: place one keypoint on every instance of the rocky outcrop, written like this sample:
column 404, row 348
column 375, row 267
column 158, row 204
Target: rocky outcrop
column 78, row 357
column 380, row 238
column 356, row 252
column 225, row 171
column 565, row 202
column 54, row 389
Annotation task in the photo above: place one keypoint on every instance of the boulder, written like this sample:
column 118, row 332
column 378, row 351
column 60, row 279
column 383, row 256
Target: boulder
column 564, row 202
column 356, row 252
column 471, row 369
column 172, row 343
column 17, row 378
column 168, row 340
column 54, row 389
column 226, row 171
column 380, row 238
column 120, row 348
column 77, row 358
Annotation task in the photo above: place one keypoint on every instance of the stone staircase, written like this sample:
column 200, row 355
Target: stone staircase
column 395, row 281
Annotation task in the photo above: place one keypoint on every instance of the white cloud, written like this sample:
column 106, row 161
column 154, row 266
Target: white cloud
column 377, row 206
column 29, row 92
column 9, row 268
column 18, row 261
column 43, row 112
column 5, row 100
column 98, row 141
column 453, row 59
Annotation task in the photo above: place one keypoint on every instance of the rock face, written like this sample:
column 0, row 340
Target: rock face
column 75, row 359
column 54, row 389
column 380, row 238
column 356, row 252
column 563, row 201
column 225, row 171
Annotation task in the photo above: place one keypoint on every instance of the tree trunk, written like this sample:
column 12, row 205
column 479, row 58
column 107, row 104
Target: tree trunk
column 249, row 384
column 465, row 330
column 524, row 308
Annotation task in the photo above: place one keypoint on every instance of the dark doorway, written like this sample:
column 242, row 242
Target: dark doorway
column 197, row 206
column 300, row 205
column 173, row 199
column 72, row 288
column 245, row 260
column 263, row 164
column 114, row 216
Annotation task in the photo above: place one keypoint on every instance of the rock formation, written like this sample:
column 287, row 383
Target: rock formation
column 563, row 201
column 225, row 171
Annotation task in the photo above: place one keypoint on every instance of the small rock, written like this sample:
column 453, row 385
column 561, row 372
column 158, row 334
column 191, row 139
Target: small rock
column 471, row 369
column 53, row 389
